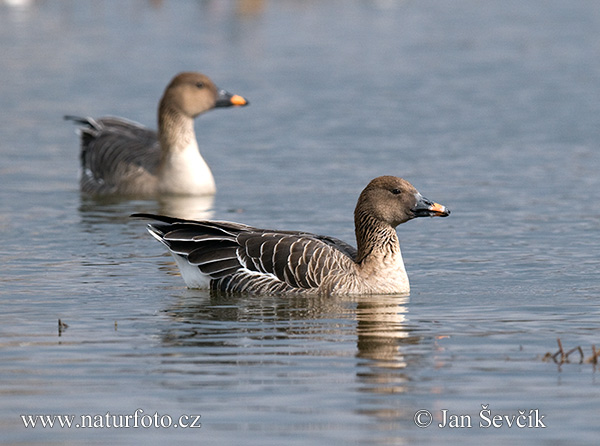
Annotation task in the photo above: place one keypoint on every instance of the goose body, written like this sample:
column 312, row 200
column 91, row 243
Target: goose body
column 122, row 157
column 233, row 257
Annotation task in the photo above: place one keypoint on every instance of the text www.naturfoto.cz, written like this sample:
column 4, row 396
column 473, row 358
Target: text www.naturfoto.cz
column 103, row 421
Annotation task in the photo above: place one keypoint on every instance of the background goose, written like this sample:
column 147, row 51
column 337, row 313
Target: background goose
column 233, row 257
column 121, row 157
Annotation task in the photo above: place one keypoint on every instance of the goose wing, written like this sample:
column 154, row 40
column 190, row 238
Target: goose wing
column 242, row 258
column 113, row 149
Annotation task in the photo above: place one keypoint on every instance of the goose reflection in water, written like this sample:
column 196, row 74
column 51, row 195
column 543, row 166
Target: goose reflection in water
column 96, row 210
column 287, row 348
column 307, row 325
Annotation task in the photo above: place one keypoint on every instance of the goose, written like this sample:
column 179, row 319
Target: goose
column 236, row 258
column 122, row 157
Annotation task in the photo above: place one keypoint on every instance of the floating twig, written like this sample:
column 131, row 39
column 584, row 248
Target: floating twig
column 61, row 327
column 594, row 358
column 561, row 357
column 576, row 349
column 561, row 351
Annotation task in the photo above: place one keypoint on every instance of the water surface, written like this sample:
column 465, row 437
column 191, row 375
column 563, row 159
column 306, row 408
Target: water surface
column 489, row 108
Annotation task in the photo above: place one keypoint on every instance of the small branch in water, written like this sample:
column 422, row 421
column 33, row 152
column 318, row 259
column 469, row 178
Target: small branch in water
column 581, row 355
column 561, row 351
column 561, row 357
column 61, row 327
column 594, row 358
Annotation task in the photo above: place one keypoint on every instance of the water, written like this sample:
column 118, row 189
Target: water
column 489, row 108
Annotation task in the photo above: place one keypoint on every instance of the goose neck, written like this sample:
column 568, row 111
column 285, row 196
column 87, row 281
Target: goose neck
column 175, row 130
column 374, row 238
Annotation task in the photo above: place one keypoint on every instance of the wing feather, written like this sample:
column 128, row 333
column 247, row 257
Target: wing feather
column 240, row 258
column 212, row 253
column 114, row 148
column 300, row 260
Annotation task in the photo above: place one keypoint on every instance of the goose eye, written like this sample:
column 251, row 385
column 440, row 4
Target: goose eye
column 200, row 84
column 396, row 191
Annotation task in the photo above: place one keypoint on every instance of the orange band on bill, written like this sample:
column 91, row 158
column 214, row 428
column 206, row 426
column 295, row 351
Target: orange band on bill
column 238, row 100
column 436, row 207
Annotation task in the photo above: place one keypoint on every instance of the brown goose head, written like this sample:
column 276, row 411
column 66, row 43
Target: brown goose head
column 391, row 201
column 194, row 93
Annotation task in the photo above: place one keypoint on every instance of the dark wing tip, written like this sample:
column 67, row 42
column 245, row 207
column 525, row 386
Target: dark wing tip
column 163, row 218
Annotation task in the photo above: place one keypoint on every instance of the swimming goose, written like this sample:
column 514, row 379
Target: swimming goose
column 233, row 257
column 121, row 157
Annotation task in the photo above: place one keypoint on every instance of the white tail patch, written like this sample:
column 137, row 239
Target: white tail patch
column 192, row 276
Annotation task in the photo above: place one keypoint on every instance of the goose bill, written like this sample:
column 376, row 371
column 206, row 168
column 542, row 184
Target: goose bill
column 428, row 208
column 226, row 99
